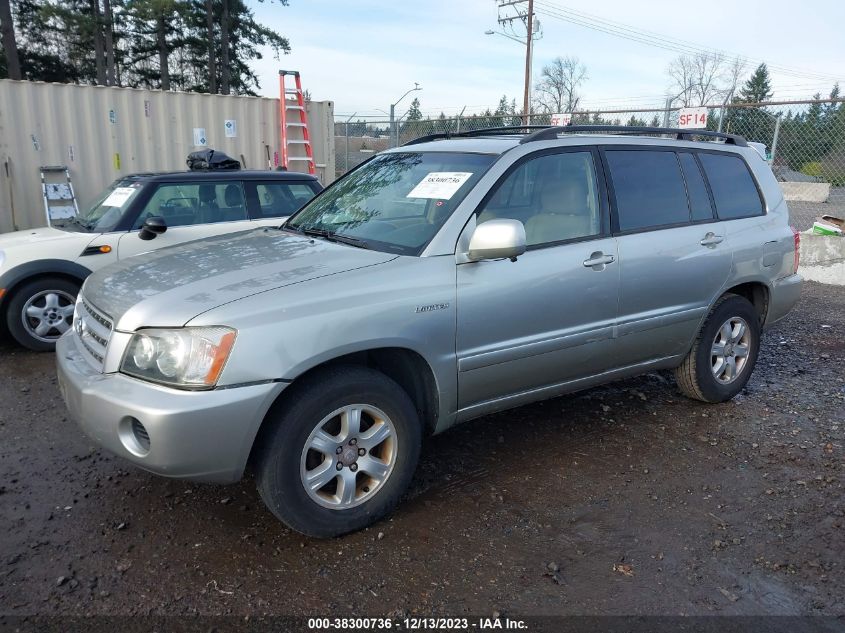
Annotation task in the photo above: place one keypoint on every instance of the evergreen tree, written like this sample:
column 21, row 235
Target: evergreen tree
column 201, row 45
column 758, row 87
column 414, row 113
column 751, row 122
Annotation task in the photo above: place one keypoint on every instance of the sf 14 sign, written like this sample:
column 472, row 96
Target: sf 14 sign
column 561, row 118
column 693, row 118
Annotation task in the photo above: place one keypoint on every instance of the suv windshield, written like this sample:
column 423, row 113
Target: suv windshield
column 395, row 202
column 106, row 211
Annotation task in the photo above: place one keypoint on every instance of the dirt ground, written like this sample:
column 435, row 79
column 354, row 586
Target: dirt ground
column 626, row 499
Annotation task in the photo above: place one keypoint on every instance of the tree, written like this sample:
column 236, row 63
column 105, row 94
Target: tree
column 10, row 46
column 703, row 78
column 209, row 39
column 159, row 28
column 243, row 37
column 557, row 90
column 199, row 45
column 758, row 88
column 414, row 113
column 752, row 122
column 833, row 108
column 108, row 37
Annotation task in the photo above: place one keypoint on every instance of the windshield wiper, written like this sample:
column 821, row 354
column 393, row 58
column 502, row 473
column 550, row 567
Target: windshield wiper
column 77, row 221
column 333, row 237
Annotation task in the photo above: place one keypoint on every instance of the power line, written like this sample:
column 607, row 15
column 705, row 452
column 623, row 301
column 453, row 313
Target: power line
column 653, row 39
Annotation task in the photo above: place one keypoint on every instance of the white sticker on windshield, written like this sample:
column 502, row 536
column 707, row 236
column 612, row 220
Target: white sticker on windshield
column 441, row 185
column 118, row 197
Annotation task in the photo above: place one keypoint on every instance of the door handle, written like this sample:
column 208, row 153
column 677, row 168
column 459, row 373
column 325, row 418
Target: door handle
column 598, row 260
column 711, row 239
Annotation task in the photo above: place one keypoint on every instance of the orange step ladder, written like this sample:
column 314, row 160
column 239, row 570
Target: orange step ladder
column 294, row 133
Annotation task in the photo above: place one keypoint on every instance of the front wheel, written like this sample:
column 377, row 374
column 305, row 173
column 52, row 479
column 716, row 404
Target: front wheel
column 342, row 449
column 723, row 356
column 40, row 311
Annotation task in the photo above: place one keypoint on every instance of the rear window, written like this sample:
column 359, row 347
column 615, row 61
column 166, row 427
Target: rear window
column 280, row 199
column 649, row 189
column 733, row 187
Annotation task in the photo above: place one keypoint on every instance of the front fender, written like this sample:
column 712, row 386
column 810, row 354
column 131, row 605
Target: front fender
column 22, row 272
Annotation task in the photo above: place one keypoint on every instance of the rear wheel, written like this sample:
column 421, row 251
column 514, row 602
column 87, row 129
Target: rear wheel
column 40, row 311
column 342, row 449
column 723, row 356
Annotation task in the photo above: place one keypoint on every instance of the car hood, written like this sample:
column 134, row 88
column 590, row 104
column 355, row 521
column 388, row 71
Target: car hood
column 40, row 236
column 171, row 286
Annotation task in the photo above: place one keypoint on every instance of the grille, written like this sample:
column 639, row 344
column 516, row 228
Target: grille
column 141, row 435
column 93, row 328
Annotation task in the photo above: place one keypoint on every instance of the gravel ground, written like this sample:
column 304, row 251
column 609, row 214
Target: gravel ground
column 803, row 214
column 618, row 500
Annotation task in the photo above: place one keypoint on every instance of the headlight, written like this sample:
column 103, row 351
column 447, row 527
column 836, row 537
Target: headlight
column 190, row 357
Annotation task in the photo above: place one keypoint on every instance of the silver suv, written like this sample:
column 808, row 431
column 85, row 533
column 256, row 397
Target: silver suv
column 438, row 282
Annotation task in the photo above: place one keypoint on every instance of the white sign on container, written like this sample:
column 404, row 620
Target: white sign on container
column 562, row 118
column 200, row 139
column 693, row 118
column 231, row 127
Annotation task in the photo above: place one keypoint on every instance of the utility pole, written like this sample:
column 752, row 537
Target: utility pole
column 532, row 32
column 526, row 101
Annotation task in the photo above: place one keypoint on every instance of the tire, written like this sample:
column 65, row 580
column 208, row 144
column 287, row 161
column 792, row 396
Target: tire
column 702, row 376
column 326, row 401
column 46, row 303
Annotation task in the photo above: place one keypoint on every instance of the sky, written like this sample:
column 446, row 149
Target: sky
column 364, row 55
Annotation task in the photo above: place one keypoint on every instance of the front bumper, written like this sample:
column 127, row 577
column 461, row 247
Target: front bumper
column 198, row 435
column 784, row 294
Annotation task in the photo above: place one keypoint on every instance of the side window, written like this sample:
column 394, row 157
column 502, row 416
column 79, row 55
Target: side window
column 555, row 196
column 189, row 203
column 733, row 187
column 699, row 199
column 649, row 189
column 280, row 199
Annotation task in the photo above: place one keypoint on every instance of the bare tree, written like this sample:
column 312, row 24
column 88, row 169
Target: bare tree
column 10, row 46
column 704, row 77
column 557, row 90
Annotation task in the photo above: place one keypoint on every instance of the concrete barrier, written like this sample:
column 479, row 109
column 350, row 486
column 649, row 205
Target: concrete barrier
column 823, row 258
column 805, row 191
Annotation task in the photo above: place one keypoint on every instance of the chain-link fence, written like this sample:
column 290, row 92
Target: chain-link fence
column 805, row 141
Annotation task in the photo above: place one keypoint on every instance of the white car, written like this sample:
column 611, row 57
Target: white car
column 41, row 270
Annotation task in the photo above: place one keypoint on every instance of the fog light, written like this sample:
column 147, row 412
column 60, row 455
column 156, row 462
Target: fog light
column 134, row 436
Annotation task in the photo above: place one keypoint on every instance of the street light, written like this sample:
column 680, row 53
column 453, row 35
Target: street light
column 510, row 37
column 394, row 131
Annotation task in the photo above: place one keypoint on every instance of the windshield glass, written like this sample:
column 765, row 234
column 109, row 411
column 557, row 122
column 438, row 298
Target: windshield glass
column 107, row 209
column 395, row 202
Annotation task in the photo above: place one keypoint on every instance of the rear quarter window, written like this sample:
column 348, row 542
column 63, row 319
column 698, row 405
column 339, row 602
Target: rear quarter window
column 733, row 187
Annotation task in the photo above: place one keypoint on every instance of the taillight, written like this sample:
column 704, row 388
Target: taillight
column 796, row 236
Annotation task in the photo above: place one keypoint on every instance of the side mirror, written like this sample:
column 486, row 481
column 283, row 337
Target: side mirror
column 153, row 225
column 497, row 239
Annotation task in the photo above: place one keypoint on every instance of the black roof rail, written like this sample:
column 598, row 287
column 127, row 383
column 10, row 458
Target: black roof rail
column 488, row 131
column 547, row 133
column 550, row 133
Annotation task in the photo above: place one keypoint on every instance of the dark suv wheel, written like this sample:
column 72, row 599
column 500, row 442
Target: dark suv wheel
column 723, row 356
column 40, row 311
column 342, row 449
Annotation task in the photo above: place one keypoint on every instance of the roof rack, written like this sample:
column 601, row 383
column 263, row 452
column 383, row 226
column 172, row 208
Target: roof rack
column 547, row 133
column 489, row 131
